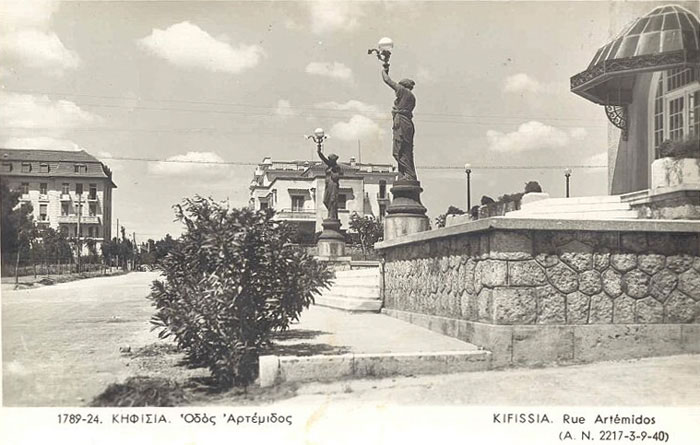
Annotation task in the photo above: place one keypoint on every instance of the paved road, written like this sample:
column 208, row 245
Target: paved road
column 60, row 344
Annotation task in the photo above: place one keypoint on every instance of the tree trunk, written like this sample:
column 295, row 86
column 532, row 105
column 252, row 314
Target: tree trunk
column 17, row 269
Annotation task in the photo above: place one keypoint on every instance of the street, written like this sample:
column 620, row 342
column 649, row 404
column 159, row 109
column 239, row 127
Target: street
column 61, row 344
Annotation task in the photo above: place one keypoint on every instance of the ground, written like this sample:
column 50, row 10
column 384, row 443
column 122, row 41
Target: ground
column 63, row 344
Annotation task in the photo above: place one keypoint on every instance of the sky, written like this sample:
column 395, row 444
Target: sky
column 237, row 81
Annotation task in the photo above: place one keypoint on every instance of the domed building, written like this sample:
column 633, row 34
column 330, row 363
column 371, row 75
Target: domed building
column 648, row 81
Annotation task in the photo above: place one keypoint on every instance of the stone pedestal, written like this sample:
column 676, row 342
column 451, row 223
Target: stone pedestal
column 331, row 243
column 405, row 214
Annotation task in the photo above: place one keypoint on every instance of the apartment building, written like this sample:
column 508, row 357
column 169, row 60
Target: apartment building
column 70, row 191
column 295, row 190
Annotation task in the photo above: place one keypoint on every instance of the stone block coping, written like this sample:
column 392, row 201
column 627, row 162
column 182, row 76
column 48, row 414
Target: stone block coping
column 505, row 223
column 278, row 369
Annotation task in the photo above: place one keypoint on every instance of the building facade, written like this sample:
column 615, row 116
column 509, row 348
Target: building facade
column 70, row 191
column 294, row 189
column 647, row 78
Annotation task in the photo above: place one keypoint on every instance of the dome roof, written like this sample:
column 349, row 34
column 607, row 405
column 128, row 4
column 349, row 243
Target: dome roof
column 667, row 37
column 664, row 29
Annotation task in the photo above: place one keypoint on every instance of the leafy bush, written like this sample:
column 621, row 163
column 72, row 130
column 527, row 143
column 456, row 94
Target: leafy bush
column 533, row 187
column 231, row 280
column 687, row 148
column 441, row 220
column 368, row 229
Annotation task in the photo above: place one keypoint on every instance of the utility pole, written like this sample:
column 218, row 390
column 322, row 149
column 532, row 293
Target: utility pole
column 359, row 152
column 133, row 258
column 117, row 249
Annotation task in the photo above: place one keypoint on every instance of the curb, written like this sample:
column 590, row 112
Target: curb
column 275, row 369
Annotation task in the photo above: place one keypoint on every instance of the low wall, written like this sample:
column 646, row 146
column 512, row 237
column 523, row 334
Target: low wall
column 535, row 291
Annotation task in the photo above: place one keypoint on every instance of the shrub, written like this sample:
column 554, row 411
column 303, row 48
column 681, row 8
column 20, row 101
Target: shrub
column 687, row 148
column 533, row 187
column 441, row 220
column 232, row 279
column 368, row 229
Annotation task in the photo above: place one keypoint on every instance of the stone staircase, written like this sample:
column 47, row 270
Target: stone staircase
column 353, row 290
column 587, row 207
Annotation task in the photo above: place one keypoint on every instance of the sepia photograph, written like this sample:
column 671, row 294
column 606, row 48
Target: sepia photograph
column 311, row 221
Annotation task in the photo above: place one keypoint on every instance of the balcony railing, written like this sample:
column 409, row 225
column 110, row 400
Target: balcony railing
column 296, row 215
column 73, row 219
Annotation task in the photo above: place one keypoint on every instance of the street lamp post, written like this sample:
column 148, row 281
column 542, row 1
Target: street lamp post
column 383, row 51
column 318, row 137
column 567, row 174
column 468, row 171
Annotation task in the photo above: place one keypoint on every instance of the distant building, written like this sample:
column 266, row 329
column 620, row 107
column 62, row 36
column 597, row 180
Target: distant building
column 56, row 183
column 295, row 190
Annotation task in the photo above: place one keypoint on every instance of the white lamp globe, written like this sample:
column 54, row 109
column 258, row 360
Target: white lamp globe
column 385, row 44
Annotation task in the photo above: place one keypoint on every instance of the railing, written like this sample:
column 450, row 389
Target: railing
column 305, row 214
column 73, row 219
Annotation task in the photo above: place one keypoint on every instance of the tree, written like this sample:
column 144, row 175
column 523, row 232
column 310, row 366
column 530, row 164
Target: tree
column 17, row 229
column 441, row 220
column 231, row 280
column 368, row 229
column 533, row 187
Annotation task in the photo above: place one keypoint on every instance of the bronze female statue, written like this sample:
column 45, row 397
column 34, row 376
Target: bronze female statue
column 403, row 128
column 333, row 173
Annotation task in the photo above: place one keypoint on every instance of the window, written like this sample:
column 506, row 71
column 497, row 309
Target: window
column 44, row 168
column 64, row 230
column 297, row 203
column 80, row 168
column 93, row 209
column 342, row 202
column 79, row 189
column 676, row 111
column 382, row 188
column 7, row 166
column 24, row 188
column 65, row 209
column 65, row 188
column 93, row 191
column 264, row 205
column 43, row 189
column 91, row 231
column 26, row 167
column 43, row 212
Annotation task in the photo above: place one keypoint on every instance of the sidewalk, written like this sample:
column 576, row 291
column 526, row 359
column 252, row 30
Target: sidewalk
column 328, row 344
column 28, row 281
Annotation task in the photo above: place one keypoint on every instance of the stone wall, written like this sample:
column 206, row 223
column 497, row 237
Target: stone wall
column 517, row 280
column 541, row 277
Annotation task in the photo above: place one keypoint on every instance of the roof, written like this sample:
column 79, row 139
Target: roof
column 664, row 29
column 665, row 38
column 61, row 163
column 46, row 155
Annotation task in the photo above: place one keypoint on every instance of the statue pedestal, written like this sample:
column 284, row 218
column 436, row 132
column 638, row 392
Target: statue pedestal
column 405, row 214
column 331, row 243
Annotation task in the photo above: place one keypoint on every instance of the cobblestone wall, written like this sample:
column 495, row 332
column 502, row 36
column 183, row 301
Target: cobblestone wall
column 548, row 277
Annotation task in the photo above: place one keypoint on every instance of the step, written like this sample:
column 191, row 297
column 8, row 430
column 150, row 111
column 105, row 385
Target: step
column 349, row 304
column 371, row 292
column 358, row 273
column 275, row 369
column 617, row 214
column 611, row 199
column 578, row 208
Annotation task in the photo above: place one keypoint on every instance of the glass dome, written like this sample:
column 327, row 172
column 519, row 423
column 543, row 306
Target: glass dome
column 667, row 37
column 664, row 29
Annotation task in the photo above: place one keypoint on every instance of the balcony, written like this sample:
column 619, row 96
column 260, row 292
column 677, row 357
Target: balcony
column 382, row 199
column 73, row 219
column 65, row 197
column 296, row 215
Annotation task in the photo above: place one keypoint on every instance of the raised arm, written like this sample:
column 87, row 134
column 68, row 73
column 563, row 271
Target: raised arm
column 323, row 157
column 388, row 81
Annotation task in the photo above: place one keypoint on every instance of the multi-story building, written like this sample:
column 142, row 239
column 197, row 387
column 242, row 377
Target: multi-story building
column 295, row 190
column 70, row 191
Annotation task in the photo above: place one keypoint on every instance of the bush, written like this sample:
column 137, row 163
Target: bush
column 687, row 148
column 368, row 229
column 232, row 279
column 533, row 187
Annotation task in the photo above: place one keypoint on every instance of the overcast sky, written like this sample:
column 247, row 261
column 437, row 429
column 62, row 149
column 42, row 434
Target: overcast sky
column 237, row 81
